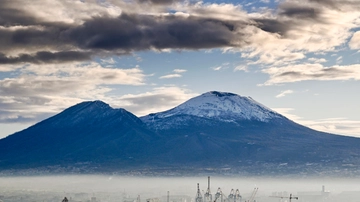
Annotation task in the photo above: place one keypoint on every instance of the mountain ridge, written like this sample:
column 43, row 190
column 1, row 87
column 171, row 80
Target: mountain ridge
column 211, row 131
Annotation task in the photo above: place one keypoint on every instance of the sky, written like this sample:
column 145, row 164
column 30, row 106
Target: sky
column 300, row 58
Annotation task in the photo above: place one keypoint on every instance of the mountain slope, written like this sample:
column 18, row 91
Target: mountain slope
column 86, row 132
column 218, row 128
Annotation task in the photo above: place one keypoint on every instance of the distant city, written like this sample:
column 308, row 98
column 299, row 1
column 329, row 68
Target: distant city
column 209, row 194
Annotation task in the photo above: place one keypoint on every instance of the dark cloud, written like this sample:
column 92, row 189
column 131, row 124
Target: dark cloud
column 12, row 16
column 289, row 16
column 35, row 39
column 25, row 88
column 159, row 2
column 290, row 74
column 339, row 4
column 274, row 25
column 45, row 57
column 144, row 32
column 323, row 73
column 15, row 17
column 300, row 12
column 121, row 35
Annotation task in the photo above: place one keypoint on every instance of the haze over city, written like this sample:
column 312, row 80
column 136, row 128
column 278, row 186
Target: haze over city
column 300, row 58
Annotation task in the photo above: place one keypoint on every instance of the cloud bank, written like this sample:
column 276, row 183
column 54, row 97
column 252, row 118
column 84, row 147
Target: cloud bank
column 92, row 28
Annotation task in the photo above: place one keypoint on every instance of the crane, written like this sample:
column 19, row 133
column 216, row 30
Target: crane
column 207, row 195
column 291, row 197
column 253, row 195
column 237, row 197
column 198, row 197
column 219, row 195
column 231, row 195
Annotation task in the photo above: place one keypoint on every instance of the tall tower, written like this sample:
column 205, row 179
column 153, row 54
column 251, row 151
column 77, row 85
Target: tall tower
column 207, row 195
column 198, row 197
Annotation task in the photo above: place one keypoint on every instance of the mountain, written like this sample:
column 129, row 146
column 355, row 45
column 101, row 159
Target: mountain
column 87, row 132
column 215, row 132
column 215, row 106
column 219, row 128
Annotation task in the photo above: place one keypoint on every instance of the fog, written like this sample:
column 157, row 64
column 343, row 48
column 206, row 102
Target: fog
column 123, row 188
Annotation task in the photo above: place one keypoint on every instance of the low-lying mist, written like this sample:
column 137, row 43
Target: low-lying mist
column 125, row 188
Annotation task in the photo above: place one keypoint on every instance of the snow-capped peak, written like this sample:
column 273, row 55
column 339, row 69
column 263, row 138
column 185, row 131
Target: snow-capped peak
column 222, row 106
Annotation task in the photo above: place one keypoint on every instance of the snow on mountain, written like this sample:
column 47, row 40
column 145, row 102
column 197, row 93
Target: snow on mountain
column 221, row 106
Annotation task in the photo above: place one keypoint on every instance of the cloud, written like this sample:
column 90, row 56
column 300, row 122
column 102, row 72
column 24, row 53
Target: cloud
column 170, row 76
column 284, row 93
column 177, row 75
column 130, row 32
column 304, row 72
column 46, row 57
column 158, row 2
column 297, row 28
column 287, row 113
column 241, row 68
column 104, row 35
column 317, row 60
column 42, row 90
column 159, row 99
column 47, row 31
column 340, row 126
column 354, row 42
column 180, row 70
column 350, row 5
column 222, row 66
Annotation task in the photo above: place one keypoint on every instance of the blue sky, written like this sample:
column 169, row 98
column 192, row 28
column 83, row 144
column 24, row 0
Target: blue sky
column 299, row 58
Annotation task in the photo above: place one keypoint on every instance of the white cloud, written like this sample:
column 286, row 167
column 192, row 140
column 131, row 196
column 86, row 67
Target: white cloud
column 325, row 32
column 180, row 70
column 108, row 61
column 340, row 126
column 339, row 60
column 284, row 93
column 159, row 99
column 177, row 75
column 241, row 68
column 10, row 68
column 354, row 42
column 217, row 68
column 287, row 114
column 42, row 90
column 222, row 66
column 317, row 60
column 170, row 76
column 304, row 72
